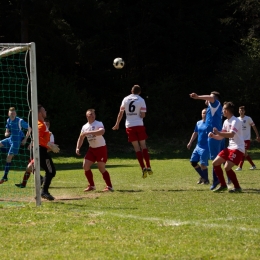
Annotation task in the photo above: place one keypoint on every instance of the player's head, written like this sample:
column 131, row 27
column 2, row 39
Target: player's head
column 216, row 94
column 12, row 112
column 241, row 110
column 91, row 115
column 42, row 113
column 228, row 109
column 47, row 122
column 203, row 113
column 136, row 90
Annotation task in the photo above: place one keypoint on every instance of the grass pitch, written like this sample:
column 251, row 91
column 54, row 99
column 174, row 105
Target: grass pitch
column 165, row 216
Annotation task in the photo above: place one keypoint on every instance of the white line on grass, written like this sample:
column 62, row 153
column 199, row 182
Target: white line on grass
column 170, row 222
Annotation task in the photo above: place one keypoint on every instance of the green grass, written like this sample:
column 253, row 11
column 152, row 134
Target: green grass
column 165, row 216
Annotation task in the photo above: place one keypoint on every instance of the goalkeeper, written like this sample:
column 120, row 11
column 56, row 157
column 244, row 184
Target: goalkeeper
column 45, row 159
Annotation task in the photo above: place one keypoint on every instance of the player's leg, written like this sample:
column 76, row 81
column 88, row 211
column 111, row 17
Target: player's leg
column 194, row 163
column 247, row 156
column 204, row 155
column 101, row 158
column 7, row 145
column 214, row 149
column 234, row 158
column 218, row 161
column 87, row 163
column 47, row 164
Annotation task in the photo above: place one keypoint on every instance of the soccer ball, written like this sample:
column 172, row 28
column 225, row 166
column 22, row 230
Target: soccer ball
column 118, row 63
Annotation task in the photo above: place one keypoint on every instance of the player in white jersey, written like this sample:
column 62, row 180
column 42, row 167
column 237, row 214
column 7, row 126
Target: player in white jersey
column 135, row 108
column 247, row 123
column 97, row 152
column 232, row 129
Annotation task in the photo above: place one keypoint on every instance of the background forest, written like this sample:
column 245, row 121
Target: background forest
column 171, row 48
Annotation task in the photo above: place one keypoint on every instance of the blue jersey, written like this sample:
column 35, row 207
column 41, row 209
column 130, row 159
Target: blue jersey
column 15, row 128
column 201, row 129
column 214, row 116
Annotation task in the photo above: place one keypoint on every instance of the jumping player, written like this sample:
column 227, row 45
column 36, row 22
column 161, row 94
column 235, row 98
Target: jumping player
column 213, row 119
column 94, row 130
column 232, row 155
column 15, row 137
column 135, row 108
column 247, row 123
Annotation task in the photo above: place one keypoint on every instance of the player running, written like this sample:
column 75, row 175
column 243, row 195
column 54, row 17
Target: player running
column 135, row 109
column 247, row 123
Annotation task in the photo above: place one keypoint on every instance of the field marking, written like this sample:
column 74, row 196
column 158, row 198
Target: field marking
column 176, row 223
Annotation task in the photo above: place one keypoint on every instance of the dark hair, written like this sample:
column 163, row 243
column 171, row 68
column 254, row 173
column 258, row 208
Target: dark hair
column 216, row 94
column 242, row 107
column 136, row 89
column 229, row 106
column 39, row 107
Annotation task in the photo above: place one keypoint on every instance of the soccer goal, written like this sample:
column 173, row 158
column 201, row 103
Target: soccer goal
column 19, row 89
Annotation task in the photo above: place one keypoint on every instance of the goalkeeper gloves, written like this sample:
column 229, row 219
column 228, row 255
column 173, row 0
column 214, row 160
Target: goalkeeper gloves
column 54, row 147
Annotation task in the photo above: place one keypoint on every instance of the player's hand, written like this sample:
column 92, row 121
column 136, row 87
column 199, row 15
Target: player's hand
column 194, row 95
column 189, row 146
column 77, row 151
column 215, row 131
column 54, row 147
column 116, row 127
column 210, row 134
column 258, row 139
column 24, row 141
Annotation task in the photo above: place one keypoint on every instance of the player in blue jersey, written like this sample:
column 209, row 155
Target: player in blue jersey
column 213, row 119
column 201, row 151
column 14, row 138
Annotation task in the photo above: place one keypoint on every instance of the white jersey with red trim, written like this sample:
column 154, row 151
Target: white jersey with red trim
column 133, row 105
column 234, row 125
column 94, row 140
column 247, row 122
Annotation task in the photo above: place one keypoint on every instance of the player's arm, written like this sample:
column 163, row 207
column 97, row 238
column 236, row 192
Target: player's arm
column 27, row 135
column 193, row 137
column 118, row 120
column 209, row 98
column 7, row 132
column 256, row 133
column 219, row 135
column 79, row 143
column 100, row 131
column 142, row 114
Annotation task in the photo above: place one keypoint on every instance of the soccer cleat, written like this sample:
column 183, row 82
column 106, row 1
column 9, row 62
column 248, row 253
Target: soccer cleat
column 214, row 185
column 206, row 182
column 149, row 170
column 3, row 180
column 19, row 185
column 235, row 190
column 108, row 189
column 238, row 169
column 252, row 168
column 144, row 173
column 90, row 188
column 200, row 180
column 220, row 189
column 47, row 196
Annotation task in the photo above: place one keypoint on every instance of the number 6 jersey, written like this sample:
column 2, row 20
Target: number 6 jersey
column 133, row 105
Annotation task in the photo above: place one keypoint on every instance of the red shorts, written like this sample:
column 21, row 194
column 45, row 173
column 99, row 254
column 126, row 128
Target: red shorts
column 247, row 144
column 234, row 156
column 136, row 133
column 98, row 154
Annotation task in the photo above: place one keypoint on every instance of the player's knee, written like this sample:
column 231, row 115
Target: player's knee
column 194, row 164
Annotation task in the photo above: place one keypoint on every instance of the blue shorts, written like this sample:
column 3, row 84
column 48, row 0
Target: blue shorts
column 200, row 155
column 215, row 146
column 11, row 146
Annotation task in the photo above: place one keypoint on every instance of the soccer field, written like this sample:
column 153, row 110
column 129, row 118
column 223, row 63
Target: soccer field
column 165, row 216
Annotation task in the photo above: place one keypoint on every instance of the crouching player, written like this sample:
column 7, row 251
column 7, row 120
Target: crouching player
column 232, row 155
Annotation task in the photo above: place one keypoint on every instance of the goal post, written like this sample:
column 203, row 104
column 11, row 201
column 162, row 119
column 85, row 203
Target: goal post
column 14, row 68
